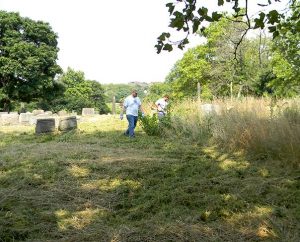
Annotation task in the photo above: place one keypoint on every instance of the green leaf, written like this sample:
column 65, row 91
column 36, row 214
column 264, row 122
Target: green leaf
column 168, row 47
column 196, row 24
column 259, row 22
column 185, row 41
column 273, row 17
column 220, row 2
column 216, row 16
column 171, row 7
column 272, row 28
column 178, row 21
column 158, row 47
column 208, row 18
column 203, row 11
column 275, row 34
column 162, row 37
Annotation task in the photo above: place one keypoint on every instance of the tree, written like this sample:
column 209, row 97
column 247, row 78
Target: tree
column 79, row 93
column 242, row 71
column 194, row 67
column 286, row 56
column 121, row 91
column 212, row 64
column 28, row 54
column 157, row 90
column 189, row 17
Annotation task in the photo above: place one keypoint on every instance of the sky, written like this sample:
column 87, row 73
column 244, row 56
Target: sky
column 110, row 41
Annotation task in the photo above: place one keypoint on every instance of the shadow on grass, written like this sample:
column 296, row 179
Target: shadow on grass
column 103, row 186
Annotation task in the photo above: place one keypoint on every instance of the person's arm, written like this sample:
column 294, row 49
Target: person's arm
column 158, row 107
column 123, row 110
column 142, row 109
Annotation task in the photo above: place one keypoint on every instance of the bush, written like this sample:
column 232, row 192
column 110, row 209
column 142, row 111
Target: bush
column 154, row 126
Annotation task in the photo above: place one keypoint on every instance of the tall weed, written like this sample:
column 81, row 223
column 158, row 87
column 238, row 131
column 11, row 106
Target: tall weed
column 258, row 127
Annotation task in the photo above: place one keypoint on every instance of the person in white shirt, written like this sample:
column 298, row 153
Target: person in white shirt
column 131, row 105
column 161, row 106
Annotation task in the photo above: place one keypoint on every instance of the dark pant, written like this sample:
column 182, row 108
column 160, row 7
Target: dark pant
column 132, row 120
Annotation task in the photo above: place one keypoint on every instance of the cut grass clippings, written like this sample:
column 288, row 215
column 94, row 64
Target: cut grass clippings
column 95, row 184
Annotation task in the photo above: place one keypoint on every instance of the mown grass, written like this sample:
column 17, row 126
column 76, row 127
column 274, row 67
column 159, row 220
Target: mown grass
column 94, row 184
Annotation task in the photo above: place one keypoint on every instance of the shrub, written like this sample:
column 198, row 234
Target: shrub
column 154, row 126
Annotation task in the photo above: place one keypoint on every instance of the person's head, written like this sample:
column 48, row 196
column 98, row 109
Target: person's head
column 134, row 93
column 166, row 98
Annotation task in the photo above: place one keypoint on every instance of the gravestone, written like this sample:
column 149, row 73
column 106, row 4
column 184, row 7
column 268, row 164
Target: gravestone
column 3, row 113
column 24, row 118
column 9, row 119
column 46, row 125
column 67, row 123
column 88, row 111
column 33, row 119
column 37, row 111
column 208, row 109
column 62, row 113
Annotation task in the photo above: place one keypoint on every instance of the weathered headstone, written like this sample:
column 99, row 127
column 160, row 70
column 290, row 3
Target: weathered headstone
column 37, row 111
column 45, row 126
column 208, row 108
column 67, row 123
column 9, row 119
column 24, row 118
column 3, row 113
column 88, row 111
column 62, row 113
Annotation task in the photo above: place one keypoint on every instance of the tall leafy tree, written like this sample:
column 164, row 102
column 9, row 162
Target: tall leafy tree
column 216, row 66
column 194, row 67
column 79, row 93
column 241, row 68
column 286, row 56
column 28, row 54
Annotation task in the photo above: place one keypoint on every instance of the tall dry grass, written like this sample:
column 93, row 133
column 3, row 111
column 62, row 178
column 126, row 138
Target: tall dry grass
column 262, row 128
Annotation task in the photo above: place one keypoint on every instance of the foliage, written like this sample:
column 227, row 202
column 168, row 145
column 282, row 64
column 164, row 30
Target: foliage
column 187, row 72
column 189, row 17
column 212, row 64
column 156, row 91
column 150, row 124
column 154, row 126
column 121, row 91
column 286, row 56
column 28, row 54
column 79, row 93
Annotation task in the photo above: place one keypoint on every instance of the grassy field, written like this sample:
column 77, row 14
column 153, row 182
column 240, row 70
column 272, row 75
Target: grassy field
column 97, row 185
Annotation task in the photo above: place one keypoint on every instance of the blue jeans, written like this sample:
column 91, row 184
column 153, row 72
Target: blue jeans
column 132, row 120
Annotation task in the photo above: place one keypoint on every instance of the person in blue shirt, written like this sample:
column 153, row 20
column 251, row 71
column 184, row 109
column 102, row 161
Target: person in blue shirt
column 131, row 106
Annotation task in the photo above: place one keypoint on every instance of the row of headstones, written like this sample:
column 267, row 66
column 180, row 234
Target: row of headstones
column 13, row 118
column 49, row 125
